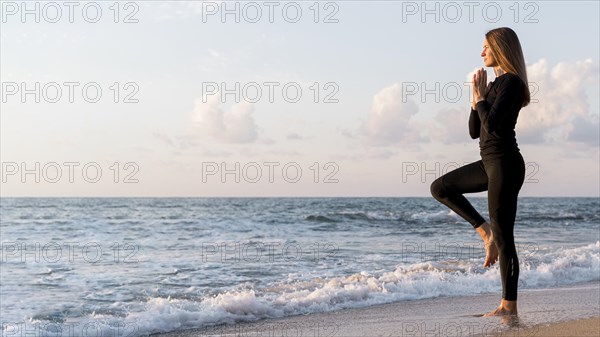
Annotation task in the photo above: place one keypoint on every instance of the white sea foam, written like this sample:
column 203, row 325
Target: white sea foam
column 406, row 282
column 438, row 215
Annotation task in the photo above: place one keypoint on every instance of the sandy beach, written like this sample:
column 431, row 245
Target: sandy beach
column 565, row 311
column 580, row 328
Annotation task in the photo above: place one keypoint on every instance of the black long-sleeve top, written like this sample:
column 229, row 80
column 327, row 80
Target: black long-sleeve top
column 493, row 120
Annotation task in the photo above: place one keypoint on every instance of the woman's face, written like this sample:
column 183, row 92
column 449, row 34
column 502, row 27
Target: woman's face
column 488, row 56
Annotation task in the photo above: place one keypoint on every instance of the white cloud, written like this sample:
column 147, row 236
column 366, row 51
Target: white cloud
column 585, row 131
column 164, row 138
column 389, row 121
column 294, row 136
column 368, row 156
column 235, row 125
column 558, row 99
column 451, row 126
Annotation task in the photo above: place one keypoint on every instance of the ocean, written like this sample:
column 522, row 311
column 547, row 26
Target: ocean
column 137, row 266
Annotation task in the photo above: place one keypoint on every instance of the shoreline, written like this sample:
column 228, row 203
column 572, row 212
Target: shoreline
column 560, row 310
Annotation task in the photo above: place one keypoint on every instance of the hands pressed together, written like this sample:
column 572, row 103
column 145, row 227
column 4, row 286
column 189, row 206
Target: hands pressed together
column 480, row 86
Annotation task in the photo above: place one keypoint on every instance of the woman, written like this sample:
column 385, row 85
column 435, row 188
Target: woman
column 501, row 170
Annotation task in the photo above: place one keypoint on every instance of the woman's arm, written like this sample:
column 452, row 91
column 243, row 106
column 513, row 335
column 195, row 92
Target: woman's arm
column 474, row 124
column 492, row 116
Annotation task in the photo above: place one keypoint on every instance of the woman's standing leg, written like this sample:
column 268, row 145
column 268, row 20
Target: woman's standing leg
column 506, row 177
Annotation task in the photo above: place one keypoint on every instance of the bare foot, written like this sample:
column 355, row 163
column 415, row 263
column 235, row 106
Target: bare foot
column 491, row 252
column 505, row 308
column 500, row 311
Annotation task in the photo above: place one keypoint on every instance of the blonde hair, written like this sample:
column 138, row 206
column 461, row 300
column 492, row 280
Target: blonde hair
column 506, row 48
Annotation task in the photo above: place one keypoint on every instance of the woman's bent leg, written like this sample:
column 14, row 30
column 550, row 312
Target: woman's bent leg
column 449, row 189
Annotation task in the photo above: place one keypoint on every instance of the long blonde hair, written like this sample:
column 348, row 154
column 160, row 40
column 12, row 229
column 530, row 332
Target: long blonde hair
column 507, row 51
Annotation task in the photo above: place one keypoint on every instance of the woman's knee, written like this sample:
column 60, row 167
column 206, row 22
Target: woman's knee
column 437, row 189
column 499, row 238
column 504, row 239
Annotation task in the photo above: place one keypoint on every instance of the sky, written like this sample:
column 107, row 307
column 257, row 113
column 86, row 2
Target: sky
column 289, row 99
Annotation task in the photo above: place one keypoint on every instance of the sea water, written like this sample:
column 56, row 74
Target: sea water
column 135, row 266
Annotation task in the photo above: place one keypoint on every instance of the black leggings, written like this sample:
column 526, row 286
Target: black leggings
column 502, row 178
